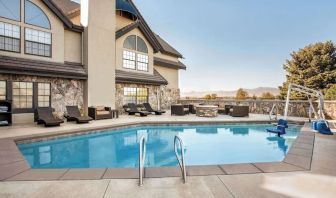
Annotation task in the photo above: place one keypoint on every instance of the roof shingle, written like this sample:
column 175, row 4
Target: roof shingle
column 140, row 78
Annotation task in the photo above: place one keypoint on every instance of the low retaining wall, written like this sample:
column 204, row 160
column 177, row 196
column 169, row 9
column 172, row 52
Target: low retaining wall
column 297, row 108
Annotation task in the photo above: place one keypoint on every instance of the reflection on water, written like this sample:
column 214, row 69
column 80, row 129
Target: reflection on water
column 223, row 144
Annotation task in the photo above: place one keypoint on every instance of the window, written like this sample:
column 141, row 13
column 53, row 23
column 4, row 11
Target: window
column 9, row 37
column 130, row 42
column 3, row 92
column 141, row 45
column 136, row 47
column 43, row 94
column 22, row 95
column 130, row 95
column 135, row 95
column 142, row 62
column 37, row 42
column 35, row 16
column 142, row 95
column 129, row 59
column 10, row 9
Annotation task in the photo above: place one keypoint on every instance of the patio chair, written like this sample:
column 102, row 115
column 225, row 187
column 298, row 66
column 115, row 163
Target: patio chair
column 149, row 108
column 133, row 110
column 75, row 115
column 100, row 112
column 179, row 110
column 239, row 111
column 46, row 117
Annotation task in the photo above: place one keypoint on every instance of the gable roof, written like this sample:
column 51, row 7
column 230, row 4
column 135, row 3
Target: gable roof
column 165, row 48
column 69, row 9
column 61, row 15
column 142, row 28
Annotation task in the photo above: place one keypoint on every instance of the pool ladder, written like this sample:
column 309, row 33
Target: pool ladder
column 180, row 160
column 142, row 157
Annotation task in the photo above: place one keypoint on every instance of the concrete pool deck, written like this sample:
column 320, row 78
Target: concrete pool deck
column 243, row 180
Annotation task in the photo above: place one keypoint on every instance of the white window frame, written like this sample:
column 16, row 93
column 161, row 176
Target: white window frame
column 137, row 54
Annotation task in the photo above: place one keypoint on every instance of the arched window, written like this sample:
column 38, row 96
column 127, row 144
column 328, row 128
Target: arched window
column 35, row 16
column 135, row 54
column 10, row 9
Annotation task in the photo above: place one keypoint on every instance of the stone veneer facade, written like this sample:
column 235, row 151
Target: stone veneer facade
column 63, row 91
column 297, row 108
column 168, row 95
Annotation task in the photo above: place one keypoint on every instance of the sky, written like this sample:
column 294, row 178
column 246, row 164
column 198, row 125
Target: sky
column 229, row 44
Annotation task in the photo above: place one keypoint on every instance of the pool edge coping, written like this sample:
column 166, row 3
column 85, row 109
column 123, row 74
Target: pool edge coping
column 294, row 161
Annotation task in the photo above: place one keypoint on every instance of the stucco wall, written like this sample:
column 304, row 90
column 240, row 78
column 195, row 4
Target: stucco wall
column 167, row 57
column 99, row 54
column 57, row 30
column 122, row 22
column 171, row 75
column 120, row 49
column 73, row 46
column 296, row 108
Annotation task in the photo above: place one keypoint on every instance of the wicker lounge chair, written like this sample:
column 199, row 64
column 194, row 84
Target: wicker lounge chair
column 149, row 108
column 45, row 116
column 179, row 110
column 133, row 110
column 239, row 111
column 100, row 112
column 75, row 115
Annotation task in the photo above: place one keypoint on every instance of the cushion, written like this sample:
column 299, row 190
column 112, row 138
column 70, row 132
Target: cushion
column 103, row 112
column 100, row 108
column 186, row 109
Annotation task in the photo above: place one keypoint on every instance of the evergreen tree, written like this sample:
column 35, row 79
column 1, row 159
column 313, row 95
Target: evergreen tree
column 313, row 66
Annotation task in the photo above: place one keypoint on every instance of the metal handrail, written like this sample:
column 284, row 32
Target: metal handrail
column 272, row 110
column 180, row 160
column 142, row 157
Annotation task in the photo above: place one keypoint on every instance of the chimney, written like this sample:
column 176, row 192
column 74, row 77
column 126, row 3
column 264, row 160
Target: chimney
column 99, row 19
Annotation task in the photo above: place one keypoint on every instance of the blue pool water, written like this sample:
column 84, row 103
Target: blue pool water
column 204, row 145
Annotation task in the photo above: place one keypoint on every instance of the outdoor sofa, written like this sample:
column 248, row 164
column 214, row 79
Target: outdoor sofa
column 179, row 109
column 100, row 112
column 239, row 111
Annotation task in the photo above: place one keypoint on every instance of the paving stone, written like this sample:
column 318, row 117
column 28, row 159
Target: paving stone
column 39, row 175
column 54, row 189
column 121, row 173
column 9, row 170
column 301, row 152
column 303, row 146
column 172, row 187
column 7, row 157
column 83, row 174
column 305, row 140
column 204, row 170
column 163, row 172
column 232, row 169
column 270, row 167
column 297, row 160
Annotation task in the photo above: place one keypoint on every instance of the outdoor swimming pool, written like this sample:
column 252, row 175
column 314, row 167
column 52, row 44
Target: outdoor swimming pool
column 204, row 145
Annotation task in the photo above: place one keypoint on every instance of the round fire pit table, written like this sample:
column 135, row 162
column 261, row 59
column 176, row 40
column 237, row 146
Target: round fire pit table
column 207, row 111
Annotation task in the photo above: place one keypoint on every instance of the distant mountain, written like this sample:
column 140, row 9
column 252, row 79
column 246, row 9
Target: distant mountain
column 256, row 91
